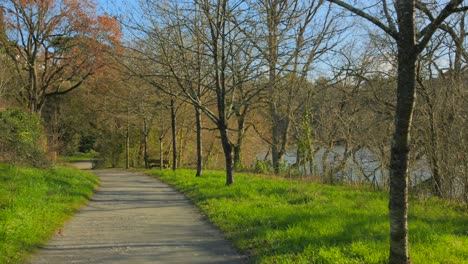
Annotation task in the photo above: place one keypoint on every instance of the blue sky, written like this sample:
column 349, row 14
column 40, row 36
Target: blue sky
column 116, row 6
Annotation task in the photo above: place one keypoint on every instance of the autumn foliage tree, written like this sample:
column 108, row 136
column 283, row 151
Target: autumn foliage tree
column 56, row 45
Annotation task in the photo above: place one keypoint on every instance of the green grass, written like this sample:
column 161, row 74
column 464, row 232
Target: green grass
column 34, row 203
column 281, row 221
column 79, row 156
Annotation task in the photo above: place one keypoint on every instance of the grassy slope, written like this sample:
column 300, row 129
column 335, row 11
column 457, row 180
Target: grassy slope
column 279, row 221
column 34, row 203
column 78, row 157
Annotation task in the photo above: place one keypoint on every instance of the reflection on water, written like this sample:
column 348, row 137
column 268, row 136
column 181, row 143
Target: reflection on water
column 360, row 166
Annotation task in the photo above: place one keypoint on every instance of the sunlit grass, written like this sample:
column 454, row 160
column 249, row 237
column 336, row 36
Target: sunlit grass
column 34, row 204
column 76, row 157
column 282, row 221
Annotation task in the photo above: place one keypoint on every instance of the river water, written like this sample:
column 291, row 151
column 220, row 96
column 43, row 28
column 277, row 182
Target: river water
column 364, row 167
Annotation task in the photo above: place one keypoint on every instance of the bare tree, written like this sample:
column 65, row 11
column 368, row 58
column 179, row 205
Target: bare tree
column 442, row 99
column 292, row 35
column 192, row 46
column 410, row 43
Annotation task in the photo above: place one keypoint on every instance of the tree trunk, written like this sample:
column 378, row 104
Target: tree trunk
column 398, row 204
column 174, row 136
column 183, row 131
column 161, row 158
column 127, row 143
column 227, row 148
column 466, row 189
column 275, row 157
column 145, row 143
column 240, row 139
column 199, row 141
column 279, row 133
column 434, row 155
column 459, row 48
column 33, row 100
column 237, row 157
column 327, row 175
column 273, row 21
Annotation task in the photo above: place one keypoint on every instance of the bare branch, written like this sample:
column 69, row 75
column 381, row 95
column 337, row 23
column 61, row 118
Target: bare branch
column 427, row 32
column 388, row 29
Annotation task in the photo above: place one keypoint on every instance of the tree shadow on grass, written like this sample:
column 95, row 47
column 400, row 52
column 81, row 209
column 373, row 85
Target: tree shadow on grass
column 271, row 237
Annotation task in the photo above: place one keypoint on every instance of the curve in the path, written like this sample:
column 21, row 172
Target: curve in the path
column 133, row 218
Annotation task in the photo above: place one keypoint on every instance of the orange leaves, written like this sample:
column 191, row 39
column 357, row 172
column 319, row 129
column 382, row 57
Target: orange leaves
column 45, row 19
column 68, row 38
column 111, row 26
column 36, row 3
column 81, row 15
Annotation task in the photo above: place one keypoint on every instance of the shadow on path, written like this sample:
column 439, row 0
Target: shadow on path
column 133, row 218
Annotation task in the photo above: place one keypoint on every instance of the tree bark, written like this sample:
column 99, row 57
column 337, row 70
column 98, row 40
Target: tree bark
column 400, row 147
column 219, row 40
column 240, row 140
column 127, row 143
column 459, row 48
column 434, row 153
column 33, row 101
column 145, row 143
column 199, row 141
column 227, row 148
column 327, row 174
column 174, row 136
column 275, row 157
column 237, row 157
column 161, row 157
column 273, row 21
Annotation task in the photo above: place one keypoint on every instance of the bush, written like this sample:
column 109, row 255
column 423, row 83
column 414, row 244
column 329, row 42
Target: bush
column 21, row 140
column 263, row 166
column 111, row 150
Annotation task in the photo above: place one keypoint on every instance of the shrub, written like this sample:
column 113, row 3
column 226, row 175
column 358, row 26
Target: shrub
column 262, row 166
column 22, row 140
column 111, row 150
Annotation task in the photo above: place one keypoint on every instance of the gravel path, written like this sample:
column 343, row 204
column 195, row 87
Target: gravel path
column 133, row 218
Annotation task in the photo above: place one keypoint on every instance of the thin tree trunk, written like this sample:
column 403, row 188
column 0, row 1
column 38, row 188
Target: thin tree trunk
column 327, row 175
column 199, row 141
column 434, row 157
column 279, row 134
column 240, row 139
column 127, row 143
column 275, row 157
column 33, row 92
column 141, row 149
column 182, row 142
column 237, row 157
column 459, row 49
column 145, row 143
column 273, row 22
column 174, row 136
column 161, row 158
column 406, row 94
column 219, row 58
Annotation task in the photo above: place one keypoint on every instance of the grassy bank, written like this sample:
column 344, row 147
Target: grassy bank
column 34, row 204
column 279, row 221
column 79, row 156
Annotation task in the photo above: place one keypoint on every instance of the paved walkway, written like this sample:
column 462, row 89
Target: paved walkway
column 137, row 219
